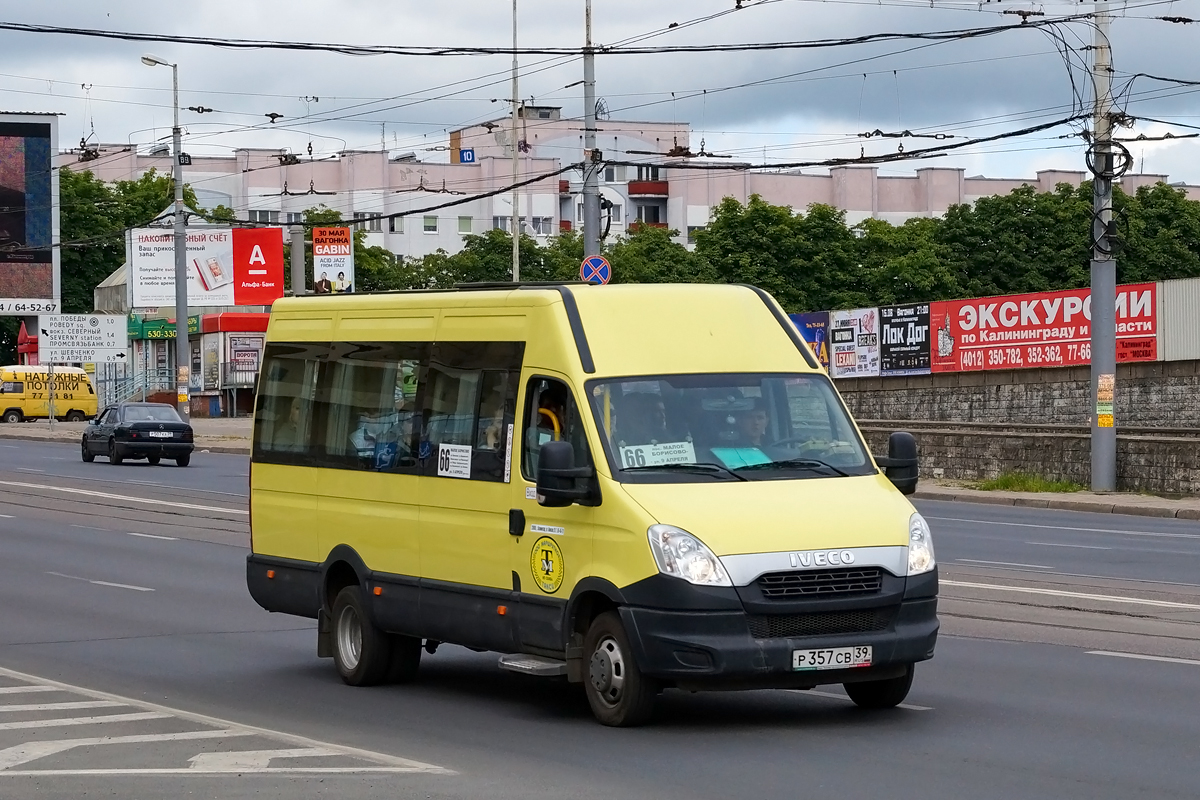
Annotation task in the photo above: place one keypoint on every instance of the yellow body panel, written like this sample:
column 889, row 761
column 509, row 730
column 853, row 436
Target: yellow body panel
column 72, row 389
column 457, row 530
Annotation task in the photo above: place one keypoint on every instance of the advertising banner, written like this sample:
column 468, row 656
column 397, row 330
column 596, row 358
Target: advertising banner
column 1046, row 329
column 904, row 340
column 29, row 259
column 854, row 340
column 814, row 329
column 333, row 260
column 226, row 267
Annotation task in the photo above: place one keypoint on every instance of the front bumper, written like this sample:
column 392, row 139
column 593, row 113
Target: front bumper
column 734, row 648
column 164, row 449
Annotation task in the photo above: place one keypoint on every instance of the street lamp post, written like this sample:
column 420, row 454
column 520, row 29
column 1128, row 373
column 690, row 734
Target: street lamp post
column 183, row 350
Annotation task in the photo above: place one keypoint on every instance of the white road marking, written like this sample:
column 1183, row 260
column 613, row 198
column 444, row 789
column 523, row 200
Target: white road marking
column 29, row 469
column 1140, row 657
column 32, row 751
column 152, row 536
column 1065, row 528
column 25, row 689
column 240, row 760
column 381, row 762
column 836, row 696
column 90, row 528
column 55, row 723
column 1076, row 546
column 1106, row 598
column 101, row 583
column 63, row 706
column 1000, row 563
column 6, row 516
column 128, row 498
column 79, row 773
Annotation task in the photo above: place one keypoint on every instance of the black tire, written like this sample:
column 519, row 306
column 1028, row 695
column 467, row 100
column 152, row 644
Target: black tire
column 88, row 455
column 619, row 694
column 362, row 652
column 153, row 460
column 182, row 461
column 406, row 659
column 75, row 416
column 12, row 416
column 114, row 455
column 887, row 693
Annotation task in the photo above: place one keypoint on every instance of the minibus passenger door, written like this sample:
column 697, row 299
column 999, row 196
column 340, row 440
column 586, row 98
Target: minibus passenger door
column 551, row 545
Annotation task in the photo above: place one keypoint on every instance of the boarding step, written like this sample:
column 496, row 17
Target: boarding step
column 533, row 665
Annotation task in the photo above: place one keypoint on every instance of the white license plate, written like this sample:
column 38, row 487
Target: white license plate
column 832, row 658
column 160, row 434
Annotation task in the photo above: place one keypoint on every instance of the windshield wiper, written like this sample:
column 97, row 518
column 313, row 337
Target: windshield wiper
column 796, row 462
column 702, row 467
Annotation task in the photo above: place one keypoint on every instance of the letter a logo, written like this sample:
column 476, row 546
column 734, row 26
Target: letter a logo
column 257, row 257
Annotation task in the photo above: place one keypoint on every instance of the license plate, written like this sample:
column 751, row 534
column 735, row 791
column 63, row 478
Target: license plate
column 160, row 434
column 832, row 658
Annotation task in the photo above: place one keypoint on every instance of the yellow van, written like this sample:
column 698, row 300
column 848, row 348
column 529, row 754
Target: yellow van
column 636, row 487
column 25, row 393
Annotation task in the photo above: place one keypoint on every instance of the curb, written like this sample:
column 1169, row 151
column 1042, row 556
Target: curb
column 223, row 449
column 1095, row 506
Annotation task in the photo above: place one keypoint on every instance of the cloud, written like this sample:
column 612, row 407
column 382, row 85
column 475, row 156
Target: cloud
column 804, row 104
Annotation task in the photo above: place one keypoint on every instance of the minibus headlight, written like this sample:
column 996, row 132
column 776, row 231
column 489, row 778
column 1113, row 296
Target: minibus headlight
column 681, row 555
column 920, row 546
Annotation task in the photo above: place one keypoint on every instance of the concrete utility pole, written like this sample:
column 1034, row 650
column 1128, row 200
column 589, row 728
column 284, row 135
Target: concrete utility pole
column 1104, row 266
column 297, row 260
column 516, row 161
column 591, row 175
column 183, row 350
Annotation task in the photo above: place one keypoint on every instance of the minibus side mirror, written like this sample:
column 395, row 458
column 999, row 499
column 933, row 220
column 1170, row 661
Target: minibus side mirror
column 900, row 464
column 557, row 478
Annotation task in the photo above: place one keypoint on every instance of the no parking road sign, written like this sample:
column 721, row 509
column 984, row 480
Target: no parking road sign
column 595, row 269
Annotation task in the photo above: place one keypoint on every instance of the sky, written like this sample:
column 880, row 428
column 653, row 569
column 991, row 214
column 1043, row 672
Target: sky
column 760, row 107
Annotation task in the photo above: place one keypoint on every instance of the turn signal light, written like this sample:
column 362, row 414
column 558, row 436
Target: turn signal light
column 378, row 591
column 502, row 610
column 271, row 574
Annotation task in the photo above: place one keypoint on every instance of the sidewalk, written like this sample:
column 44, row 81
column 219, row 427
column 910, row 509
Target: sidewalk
column 219, row 435
column 1141, row 505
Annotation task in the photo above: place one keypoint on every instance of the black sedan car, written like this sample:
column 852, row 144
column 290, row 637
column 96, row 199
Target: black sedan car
column 152, row 431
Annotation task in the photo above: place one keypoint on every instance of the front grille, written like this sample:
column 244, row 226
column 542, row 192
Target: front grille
column 791, row 585
column 825, row 623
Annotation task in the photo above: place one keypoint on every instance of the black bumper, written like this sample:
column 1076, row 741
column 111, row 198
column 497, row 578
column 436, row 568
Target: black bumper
column 727, row 648
column 150, row 448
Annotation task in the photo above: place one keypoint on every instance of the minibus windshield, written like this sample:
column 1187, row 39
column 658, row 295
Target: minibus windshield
column 726, row 427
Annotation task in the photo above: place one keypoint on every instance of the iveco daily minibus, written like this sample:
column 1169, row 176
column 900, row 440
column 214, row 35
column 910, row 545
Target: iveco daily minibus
column 633, row 487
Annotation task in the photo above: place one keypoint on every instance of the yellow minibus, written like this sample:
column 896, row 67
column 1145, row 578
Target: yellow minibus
column 634, row 487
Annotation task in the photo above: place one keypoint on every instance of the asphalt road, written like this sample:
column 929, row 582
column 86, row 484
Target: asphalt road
column 129, row 627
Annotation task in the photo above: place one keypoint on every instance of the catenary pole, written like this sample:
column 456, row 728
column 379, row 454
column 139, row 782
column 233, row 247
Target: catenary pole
column 1103, row 266
column 516, row 162
column 591, row 176
column 297, row 260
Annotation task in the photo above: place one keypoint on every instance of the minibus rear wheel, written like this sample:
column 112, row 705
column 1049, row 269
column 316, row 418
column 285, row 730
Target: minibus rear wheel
column 361, row 651
column 887, row 693
column 619, row 694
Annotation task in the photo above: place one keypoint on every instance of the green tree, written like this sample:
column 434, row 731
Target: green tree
column 1161, row 232
column 905, row 263
column 649, row 255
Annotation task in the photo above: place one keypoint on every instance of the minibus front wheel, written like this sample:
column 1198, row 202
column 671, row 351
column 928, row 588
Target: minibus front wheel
column 619, row 694
column 887, row 693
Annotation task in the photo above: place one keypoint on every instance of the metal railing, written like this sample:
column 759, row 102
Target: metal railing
column 138, row 386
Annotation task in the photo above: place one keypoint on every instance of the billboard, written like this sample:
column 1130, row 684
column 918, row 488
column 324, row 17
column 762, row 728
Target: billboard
column 226, row 267
column 1045, row 329
column 854, row 340
column 333, row 260
column 814, row 329
column 904, row 340
column 29, row 256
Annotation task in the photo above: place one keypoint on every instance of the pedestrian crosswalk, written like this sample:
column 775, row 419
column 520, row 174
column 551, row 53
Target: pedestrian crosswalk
column 49, row 728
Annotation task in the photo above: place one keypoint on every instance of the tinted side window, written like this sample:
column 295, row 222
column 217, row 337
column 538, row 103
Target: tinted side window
column 284, row 420
column 367, row 395
column 469, row 409
column 551, row 415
